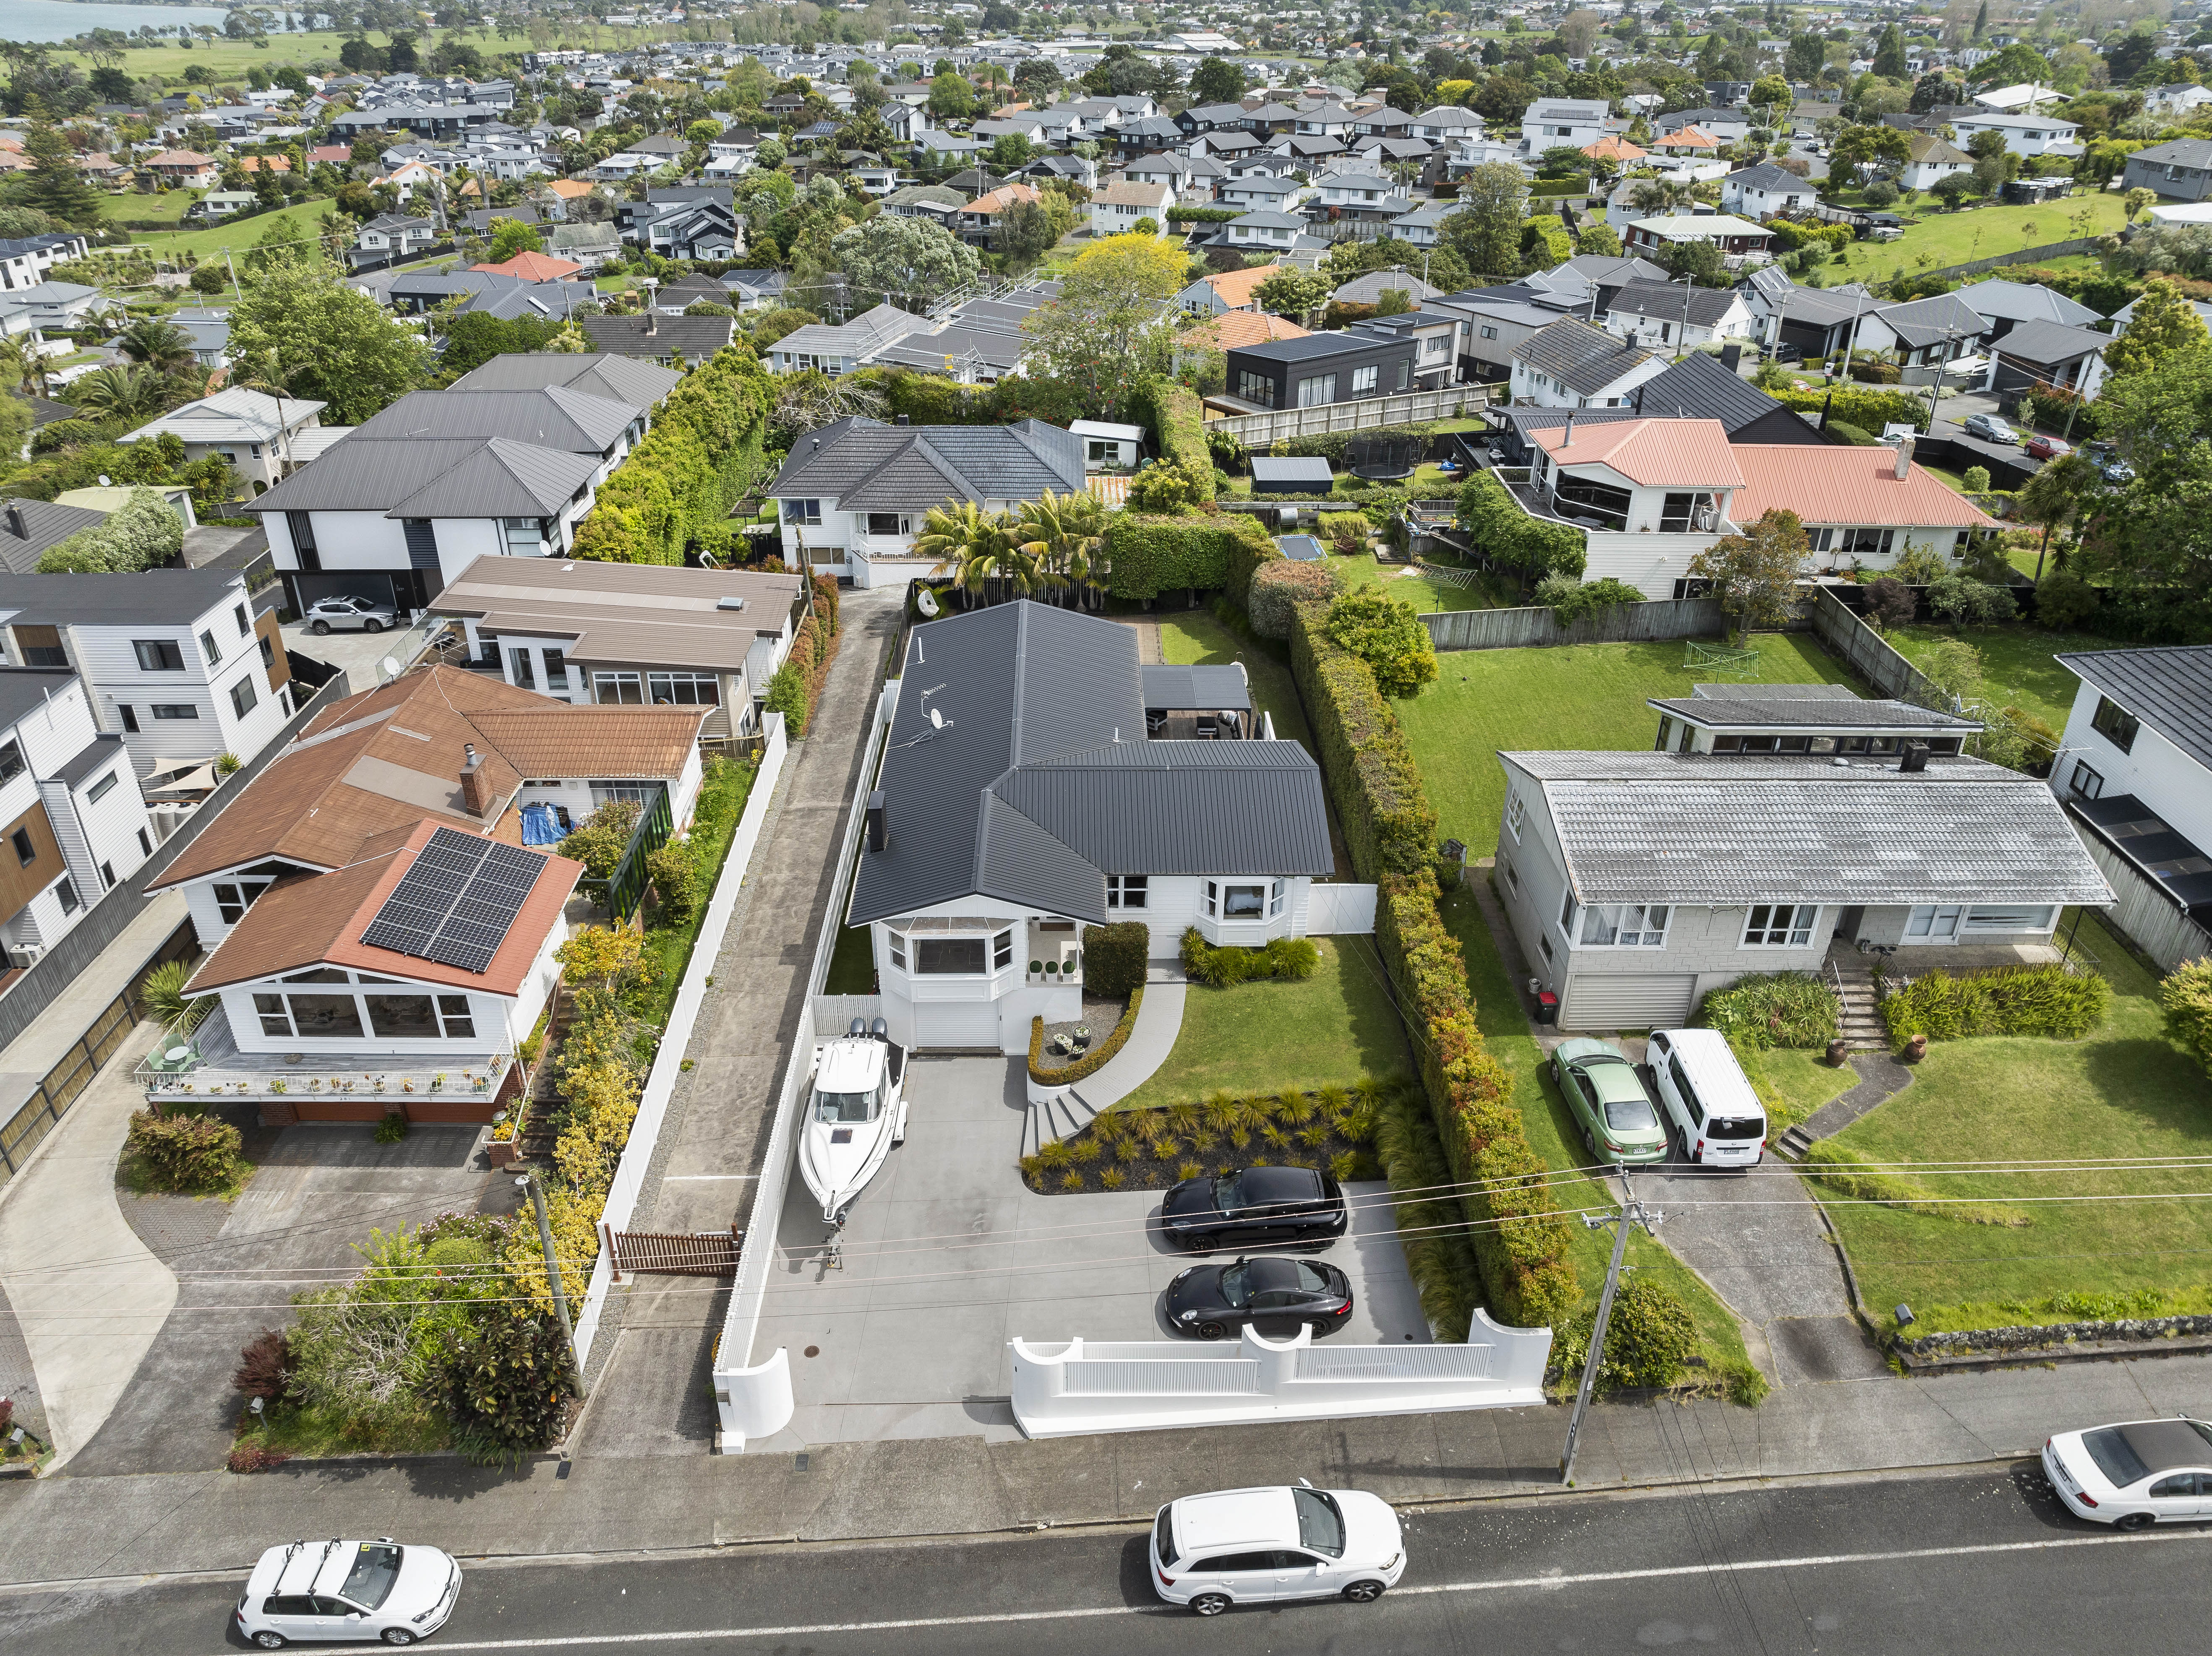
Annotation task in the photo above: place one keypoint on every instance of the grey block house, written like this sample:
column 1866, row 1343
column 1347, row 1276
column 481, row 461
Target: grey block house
column 1360, row 362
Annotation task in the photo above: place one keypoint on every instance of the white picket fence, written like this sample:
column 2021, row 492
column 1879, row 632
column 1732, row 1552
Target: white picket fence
column 668, row 1062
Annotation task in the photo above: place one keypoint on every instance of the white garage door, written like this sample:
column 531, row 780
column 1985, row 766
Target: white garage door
column 1642, row 1002
column 957, row 1023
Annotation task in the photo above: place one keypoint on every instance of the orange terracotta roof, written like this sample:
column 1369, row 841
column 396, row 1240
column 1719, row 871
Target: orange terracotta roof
column 551, row 739
column 996, row 201
column 1235, row 330
column 1656, row 453
column 1690, row 137
column 1236, row 287
column 569, row 188
column 255, row 163
column 534, row 267
column 1855, row 485
column 1614, row 147
column 317, row 919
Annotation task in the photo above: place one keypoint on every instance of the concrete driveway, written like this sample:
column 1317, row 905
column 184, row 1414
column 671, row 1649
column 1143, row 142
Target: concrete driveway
column 948, row 1256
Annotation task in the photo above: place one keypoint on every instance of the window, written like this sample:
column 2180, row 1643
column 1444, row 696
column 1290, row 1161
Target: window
column 326, row 1016
column 26, row 853
column 1363, row 381
column 175, row 710
column 2115, row 723
column 402, row 1018
column 684, row 689
column 130, row 716
column 525, row 537
column 208, row 646
column 1780, row 925
column 1516, row 808
column 1489, row 332
column 1236, row 902
column 459, row 1022
column 1255, row 388
column 1316, row 391
column 1932, row 922
column 244, row 621
column 519, row 671
column 1126, row 890
column 808, row 512
column 557, row 669
column 243, row 696
column 1275, row 898
column 268, row 654
column 1512, row 876
column 232, row 901
column 159, row 655
column 626, row 689
column 948, row 956
column 1405, row 371
column 11, row 762
column 1002, row 951
column 898, row 948
column 2086, row 782
column 2004, row 917
column 66, row 891
column 1614, row 926
column 274, row 1021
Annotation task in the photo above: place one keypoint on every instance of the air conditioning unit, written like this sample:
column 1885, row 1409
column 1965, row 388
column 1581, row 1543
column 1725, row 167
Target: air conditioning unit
column 30, row 954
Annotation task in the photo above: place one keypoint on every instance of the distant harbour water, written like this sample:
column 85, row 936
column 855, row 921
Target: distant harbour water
column 65, row 19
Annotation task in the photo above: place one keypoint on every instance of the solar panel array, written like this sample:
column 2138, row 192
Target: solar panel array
column 455, row 905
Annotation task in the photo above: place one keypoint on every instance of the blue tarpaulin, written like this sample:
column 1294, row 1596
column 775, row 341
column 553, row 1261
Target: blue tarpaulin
column 540, row 826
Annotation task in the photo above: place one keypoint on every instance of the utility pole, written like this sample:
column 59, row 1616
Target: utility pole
column 561, row 1298
column 1632, row 1212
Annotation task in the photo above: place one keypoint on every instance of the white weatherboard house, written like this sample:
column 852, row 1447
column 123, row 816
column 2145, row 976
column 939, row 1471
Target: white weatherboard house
column 1771, row 822
column 1022, row 798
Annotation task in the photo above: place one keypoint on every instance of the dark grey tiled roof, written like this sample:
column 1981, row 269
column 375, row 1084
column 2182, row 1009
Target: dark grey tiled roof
column 1745, row 709
column 2170, row 690
column 1698, row 388
column 1584, row 359
column 551, row 416
column 1690, row 828
column 1040, row 782
column 44, row 524
column 690, row 337
column 1671, row 301
column 641, row 384
column 1211, row 689
column 452, row 478
column 2051, row 343
column 176, row 597
column 865, row 465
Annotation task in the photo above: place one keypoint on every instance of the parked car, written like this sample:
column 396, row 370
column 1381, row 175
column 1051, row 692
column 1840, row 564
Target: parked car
column 1247, row 1207
column 1708, row 1097
column 2044, row 446
column 2133, row 1475
column 1619, row 1120
column 1989, row 427
column 2116, row 471
column 311, row 1592
column 1211, row 1301
column 325, row 614
column 1266, row 1546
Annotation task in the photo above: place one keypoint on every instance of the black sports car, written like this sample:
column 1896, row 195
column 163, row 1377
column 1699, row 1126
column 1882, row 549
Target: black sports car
column 1275, row 1293
column 1248, row 1207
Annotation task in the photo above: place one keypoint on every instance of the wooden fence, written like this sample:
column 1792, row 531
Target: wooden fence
column 2144, row 910
column 1623, row 623
column 1870, row 654
column 1257, row 430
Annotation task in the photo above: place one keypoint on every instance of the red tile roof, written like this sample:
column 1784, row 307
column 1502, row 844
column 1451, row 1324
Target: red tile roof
column 1657, row 453
column 1855, row 485
column 534, row 267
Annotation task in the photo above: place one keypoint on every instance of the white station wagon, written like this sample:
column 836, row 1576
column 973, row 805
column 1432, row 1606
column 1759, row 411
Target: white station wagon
column 1266, row 1546
column 315, row 1591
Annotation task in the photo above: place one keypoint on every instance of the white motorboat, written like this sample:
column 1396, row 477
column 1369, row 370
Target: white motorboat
column 856, row 1113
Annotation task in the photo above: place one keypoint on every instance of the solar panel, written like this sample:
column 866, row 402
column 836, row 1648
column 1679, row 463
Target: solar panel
column 455, row 903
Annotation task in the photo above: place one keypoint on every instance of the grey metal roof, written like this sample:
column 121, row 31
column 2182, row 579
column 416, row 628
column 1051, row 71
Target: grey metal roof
column 1698, row 388
column 1692, row 829
column 101, row 751
column 1748, row 709
column 24, row 690
column 689, row 336
column 43, row 523
column 1671, row 301
column 1585, row 359
column 1930, row 321
column 1284, row 470
column 2026, row 302
column 865, row 465
column 550, row 416
column 172, row 598
column 1040, row 781
column 1211, row 689
column 451, row 477
column 1777, row 692
column 2049, row 343
column 2168, row 690
column 641, row 384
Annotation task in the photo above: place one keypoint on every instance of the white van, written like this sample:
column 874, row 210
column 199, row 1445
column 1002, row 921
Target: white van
column 1707, row 1095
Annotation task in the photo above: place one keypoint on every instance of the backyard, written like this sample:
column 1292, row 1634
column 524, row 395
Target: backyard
column 1576, row 697
column 2020, row 661
column 303, row 223
column 2077, row 1243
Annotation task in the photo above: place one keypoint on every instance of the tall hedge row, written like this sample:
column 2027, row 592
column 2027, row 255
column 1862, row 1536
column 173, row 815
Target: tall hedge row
column 1519, row 1239
column 1867, row 407
column 1178, row 423
column 682, row 480
column 1147, row 555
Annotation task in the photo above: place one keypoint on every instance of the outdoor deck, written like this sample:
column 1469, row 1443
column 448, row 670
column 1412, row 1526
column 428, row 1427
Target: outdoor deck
column 214, row 1067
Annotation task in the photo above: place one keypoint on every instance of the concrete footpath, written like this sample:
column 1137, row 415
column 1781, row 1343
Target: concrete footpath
column 69, row 1529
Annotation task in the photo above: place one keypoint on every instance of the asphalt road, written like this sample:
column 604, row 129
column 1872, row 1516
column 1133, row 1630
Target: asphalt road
column 1956, row 1564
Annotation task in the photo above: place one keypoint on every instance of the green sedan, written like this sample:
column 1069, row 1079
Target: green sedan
column 1619, row 1121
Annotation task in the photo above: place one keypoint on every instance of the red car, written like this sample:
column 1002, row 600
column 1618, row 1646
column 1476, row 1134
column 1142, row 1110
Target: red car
column 2041, row 447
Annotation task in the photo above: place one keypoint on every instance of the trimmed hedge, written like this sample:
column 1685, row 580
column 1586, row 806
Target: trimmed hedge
column 1147, row 555
column 1389, row 825
column 1178, row 423
column 2186, row 995
column 2004, row 1000
column 681, row 482
column 1114, row 957
column 182, row 1152
column 1864, row 406
column 1279, row 588
column 1091, row 1061
column 1780, row 1009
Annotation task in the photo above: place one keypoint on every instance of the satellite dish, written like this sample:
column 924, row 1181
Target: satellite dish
column 389, row 667
column 925, row 601
column 936, row 720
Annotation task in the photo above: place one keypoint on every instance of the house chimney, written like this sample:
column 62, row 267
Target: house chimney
column 16, row 525
column 1914, row 760
column 1730, row 356
column 902, row 420
column 879, row 821
column 1904, row 459
column 1568, row 441
column 475, row 794
column 652, row 321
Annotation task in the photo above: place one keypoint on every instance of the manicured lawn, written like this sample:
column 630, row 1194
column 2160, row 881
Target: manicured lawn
column 2019, row 662
column 1976, row 232
column 1197, row 640
column 1579, row 696
column 1424, row 592
column 304, row 221
column 852, row 964
column 1792, row 1083
column 1336, row 1026
column 2125, row 1091
column 167, row 207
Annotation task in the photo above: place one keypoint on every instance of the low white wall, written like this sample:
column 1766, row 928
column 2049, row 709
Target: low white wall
column 1124, row 1386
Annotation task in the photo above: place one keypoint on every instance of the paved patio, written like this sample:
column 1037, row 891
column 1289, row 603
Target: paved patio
column 947, row 1256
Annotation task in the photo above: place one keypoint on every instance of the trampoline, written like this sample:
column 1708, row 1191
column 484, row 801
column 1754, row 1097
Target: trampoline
column 1378, row 457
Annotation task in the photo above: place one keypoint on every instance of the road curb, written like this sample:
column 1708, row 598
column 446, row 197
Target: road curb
column 2038, row 1356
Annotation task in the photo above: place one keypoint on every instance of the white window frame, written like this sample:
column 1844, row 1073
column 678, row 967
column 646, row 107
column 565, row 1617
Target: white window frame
column 1922, row 919
column 896, row 943
column 1614, row 920
column 1798, row 924
column 1989, row 918
column 1516, row 810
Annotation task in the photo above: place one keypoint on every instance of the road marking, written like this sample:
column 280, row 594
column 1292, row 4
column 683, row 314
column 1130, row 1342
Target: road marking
column 1591, row 1578
column 677, row 1178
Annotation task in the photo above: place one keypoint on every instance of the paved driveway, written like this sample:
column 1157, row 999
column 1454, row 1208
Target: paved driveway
column 948, row 1256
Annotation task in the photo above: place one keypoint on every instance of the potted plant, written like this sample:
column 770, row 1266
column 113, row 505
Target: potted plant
column 277, row 1084
column 438, row 1081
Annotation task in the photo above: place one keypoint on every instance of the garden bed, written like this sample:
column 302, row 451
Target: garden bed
column 1331, row 1126
column 1064, row 1045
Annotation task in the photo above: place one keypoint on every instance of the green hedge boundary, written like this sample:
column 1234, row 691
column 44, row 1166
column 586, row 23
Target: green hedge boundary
column 692, row 467
column 1178, row 421
column 1866, row 407
column 1090, row 1062
column 1147, row 555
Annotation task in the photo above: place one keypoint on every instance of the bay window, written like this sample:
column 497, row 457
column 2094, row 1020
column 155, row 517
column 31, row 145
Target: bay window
column 1623, row 925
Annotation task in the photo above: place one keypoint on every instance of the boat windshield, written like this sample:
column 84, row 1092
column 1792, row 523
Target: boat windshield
column 845, row 1107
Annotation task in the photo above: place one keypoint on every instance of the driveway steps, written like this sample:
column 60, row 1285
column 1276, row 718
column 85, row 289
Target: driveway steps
column 1861, row 1026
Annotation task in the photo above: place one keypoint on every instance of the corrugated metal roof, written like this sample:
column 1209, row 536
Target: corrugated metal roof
column 500, row 479
column 1933, row 320
column 1214, row 690
column 1698, row 388
column 1585, row 359
column 2050, row 343
column 1855, row 485
column 43, row 523
column 1749, row 706
column 1671, row 301
column 865, row 464
column 2170, row 690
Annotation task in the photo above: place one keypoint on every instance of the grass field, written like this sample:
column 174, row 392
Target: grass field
column 2125, row 1091
column 1424, row 592
column 228, row 60
column 1336, row 1026
column 304, row 220
column 1579, row 696
column 2019, row 661
column 168, row 207
column 1959, row 237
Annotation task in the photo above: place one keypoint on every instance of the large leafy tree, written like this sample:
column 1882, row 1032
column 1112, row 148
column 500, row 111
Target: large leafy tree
column 1754, row 574
column 55, row 186
column 1107, row 331
column 1293, row 292
column 2164, row 322
column 163, row 346
column 1889, row 54
column 2149, row 544
column 511, row 236
column 301, row 328
column 1485, row 231
column 1216, row 80
column 910, row 261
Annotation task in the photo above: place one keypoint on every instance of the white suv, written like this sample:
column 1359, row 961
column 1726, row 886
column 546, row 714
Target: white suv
column 1708, row 1097
column 1265, row 1545
column 318, row 1591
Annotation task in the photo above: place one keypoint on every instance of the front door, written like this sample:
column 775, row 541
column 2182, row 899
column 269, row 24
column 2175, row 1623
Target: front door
column 1848, row 922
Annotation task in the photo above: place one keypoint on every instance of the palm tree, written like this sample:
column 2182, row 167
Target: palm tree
column 1064, row 534
column 977, row 548
column 163, row 346
column 20, row 361
column 127, row 391
column 1659, row 195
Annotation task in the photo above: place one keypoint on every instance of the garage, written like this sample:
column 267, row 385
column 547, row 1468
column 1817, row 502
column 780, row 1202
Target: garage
column 1641, row 1001
column 960, row 1025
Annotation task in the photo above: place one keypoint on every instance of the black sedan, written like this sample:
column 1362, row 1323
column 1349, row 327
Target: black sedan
column 1210, row 1301
column 1247, row 1207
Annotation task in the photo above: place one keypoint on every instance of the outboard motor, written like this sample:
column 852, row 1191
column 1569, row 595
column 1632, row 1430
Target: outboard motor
column 859, row 1027
column 879, row 1029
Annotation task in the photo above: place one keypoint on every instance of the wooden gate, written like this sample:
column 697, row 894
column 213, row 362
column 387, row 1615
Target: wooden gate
column 682, row 1253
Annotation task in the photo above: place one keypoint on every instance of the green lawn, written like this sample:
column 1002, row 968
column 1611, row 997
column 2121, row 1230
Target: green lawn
column 2125, row 1091
column 1959, row 237
column 852, row 963
column 2019, row 662
column 236, row 235
column 1196, row 639
column 1424, row 592
column 1337, row 1026
column 1791, row 1083
column 1577, row 696
column 1555, row 1138
column 168, row 206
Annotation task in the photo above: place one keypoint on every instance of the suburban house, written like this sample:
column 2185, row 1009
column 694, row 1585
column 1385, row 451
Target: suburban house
column 70, row 810
column 1696, row 388
column 391, row 236
column 1923, row 334
column 626, row 634
column 1769, row 827
column 1818, row 321
column 1563, row 123
column 2053, row 353
column 617, row 378
column 2135, row 769
column 837, row 348
column 654, row 337
column 1121, row 205
column 180, row 169
column 28, row 529
column 1735, row 237
column 2029, row 135
column 1219, row 292
column 1931, row 159
column 1766, row 189
column 2179, row 171
column 1108, row 446
column 174, row 662
column 1024, row 794
column 978, row 222
column 1677, row 317
column 1569, row 364
column 251, row 432
column 853, row 494
column 1368, row 359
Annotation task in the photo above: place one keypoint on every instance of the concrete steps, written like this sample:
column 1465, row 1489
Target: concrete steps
column 1061, row 1117
column 1861, row 1026
column 1794, row 1143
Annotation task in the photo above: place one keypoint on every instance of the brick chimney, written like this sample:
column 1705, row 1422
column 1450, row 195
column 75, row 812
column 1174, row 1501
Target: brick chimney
column 476, row 792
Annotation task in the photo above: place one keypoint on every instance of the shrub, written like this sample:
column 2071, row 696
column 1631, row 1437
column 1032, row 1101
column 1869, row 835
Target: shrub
column 1091, row 1061
column 1783, row 1008
column 138, row 535
column 1277, row 588
column 186, row 1152
column 1114, row 957
column 1169, row 486
column 786, row 694
column 507, row 1388
column 1890, row 603
column 599, row 842
column 393, row 1128
column 253, row 1458
column 2186, row 995
column 2063, row 601
column 1346, row 532
column 1977, row 480
column 1969, row 602
column 1852, row 434
column 1866, row 407
column 1649, row 1338
column 1571, row 599
column 1438, row 1257
column 1217, row 551
column 1178, row 422
column 162, row 994
column 2004, row 1000
column 1387, row 634
column 674, row 871
column 1221, row 968
column 265, row 1367
column 1388, row 823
